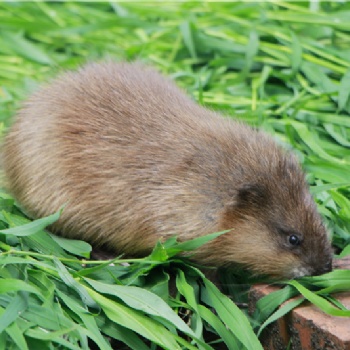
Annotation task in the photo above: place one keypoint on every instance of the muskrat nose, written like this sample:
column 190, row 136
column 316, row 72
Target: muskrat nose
column 328, row 266
column 324, row 269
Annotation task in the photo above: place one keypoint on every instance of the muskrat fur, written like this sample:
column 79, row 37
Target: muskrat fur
column 136, row 161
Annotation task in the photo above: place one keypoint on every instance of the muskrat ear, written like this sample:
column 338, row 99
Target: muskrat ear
column 251, row 194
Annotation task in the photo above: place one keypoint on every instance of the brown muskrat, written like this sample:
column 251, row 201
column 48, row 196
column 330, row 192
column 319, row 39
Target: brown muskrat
column 136, row 161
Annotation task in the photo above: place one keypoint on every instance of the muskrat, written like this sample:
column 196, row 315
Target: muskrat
column 136, row 161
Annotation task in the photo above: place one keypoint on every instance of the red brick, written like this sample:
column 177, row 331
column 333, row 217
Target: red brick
column 306, row 327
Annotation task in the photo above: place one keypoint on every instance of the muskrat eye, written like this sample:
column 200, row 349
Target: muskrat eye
column 294, row 240
column 292, row 237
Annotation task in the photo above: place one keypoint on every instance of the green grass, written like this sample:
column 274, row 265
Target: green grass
column 282, row 67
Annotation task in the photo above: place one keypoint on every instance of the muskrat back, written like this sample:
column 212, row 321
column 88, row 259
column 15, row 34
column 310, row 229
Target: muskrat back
column 136, row 161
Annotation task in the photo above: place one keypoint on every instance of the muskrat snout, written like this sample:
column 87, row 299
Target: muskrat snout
column 328, row 267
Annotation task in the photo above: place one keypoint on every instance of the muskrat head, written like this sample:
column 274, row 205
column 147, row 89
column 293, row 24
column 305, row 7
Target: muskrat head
column 276, row 229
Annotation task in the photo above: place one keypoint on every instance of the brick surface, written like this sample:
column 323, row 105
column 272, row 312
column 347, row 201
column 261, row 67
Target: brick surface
column 306, row 327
